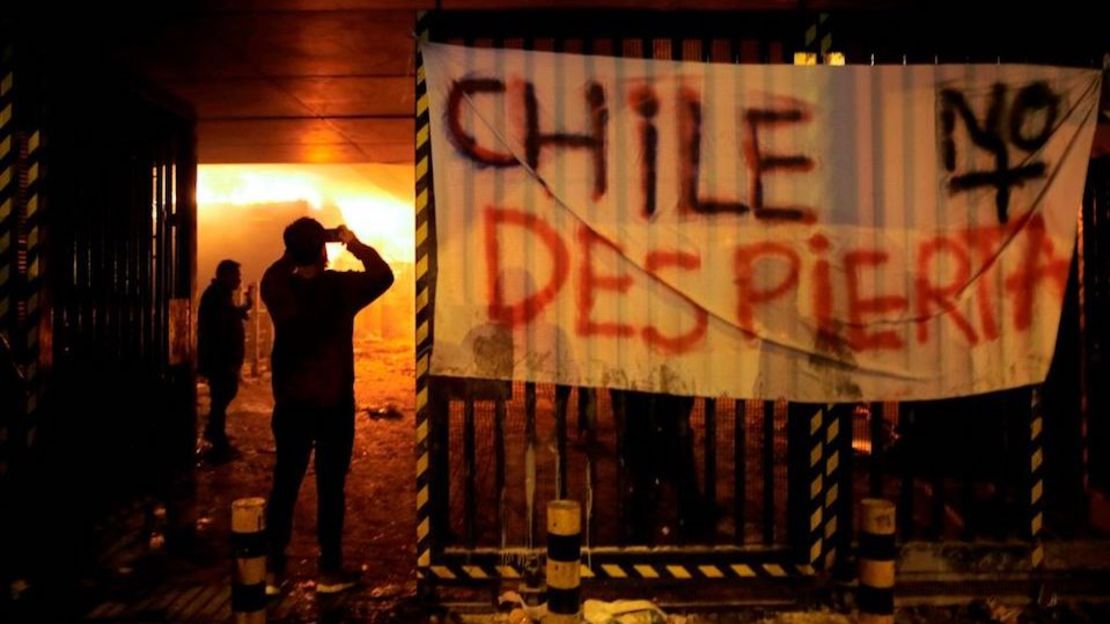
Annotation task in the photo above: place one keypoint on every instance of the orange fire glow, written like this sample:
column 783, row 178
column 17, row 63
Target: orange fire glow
column 375, row 201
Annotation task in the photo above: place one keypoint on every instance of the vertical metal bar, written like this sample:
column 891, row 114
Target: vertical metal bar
column 470, row 504
column 499, row 465
column 114, row 305
column 173, row 221
column 744, row 51
column 430, row 447
column 805, row 430
column 768, row 472
column 146, row 250
column 839, row 533
column 562, row 398
column 530, row 460
column 587, row 403
column 967, row 495
column 905, row 494
column 120, row 259
column 739, row 468
column 588, row 398
column 717, row 51
column 438, row 473
column 1087, row 341
column 162, row 262
column 618, row 409
column 185, row 218
column 167, row 264
column 936, row 521
column 8, row 213
column 626, row 48
column 775, row 52
column 1036, row 480
column 155, row 265
column 131, row 265
column 96, row 273
column 877, row 416
column 711, row 456
column 159, row 268
column 584, row 425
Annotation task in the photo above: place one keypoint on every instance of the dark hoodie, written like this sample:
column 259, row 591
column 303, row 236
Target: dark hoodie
column 313, row 357
column 220, row 332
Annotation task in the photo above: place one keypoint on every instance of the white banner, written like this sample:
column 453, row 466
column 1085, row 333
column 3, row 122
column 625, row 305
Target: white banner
column 812, row 233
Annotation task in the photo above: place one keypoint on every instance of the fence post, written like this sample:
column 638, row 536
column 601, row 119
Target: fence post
column 816, row 452
column 1036, row 480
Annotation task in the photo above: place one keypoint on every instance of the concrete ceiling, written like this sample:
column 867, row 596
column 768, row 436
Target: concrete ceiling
column 287, row 81
column 289, row 85
column 311, row 81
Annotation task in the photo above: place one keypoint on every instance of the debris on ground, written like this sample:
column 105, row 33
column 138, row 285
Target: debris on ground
column 993, row 610
column 808, row 617
column 387, row 592
column 623, row 612
column 519, row 611
column 386, row 412
column 515, row 611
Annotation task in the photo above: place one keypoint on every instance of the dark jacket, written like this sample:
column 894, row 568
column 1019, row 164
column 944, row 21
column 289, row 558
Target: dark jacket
column 313, row 356
column 220, row 332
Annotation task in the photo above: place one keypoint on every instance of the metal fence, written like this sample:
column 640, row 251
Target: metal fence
column 97, row 221
column 677, row 489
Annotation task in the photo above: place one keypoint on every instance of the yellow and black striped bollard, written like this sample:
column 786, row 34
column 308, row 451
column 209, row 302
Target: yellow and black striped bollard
column 564, row 554
column 248, row 543
column 876, row 562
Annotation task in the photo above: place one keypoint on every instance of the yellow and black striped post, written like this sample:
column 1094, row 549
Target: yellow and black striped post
column 832, row 437
column 814, row 476
column 32, row 321
column 22, row 263
column 564, row 556
column 876, row 562
column 248, row 542
column 8, row 151
column 819, row 37
column 7, row 229
column 817, row 44
column 424, row 275
column 1036, row 480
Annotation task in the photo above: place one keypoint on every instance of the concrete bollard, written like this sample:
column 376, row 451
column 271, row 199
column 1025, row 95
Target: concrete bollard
column 564, row 555
column 248, row 543
column 876, row 562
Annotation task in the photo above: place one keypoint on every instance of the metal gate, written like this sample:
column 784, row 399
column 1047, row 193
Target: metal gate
column 97, row 227
column 749, row 489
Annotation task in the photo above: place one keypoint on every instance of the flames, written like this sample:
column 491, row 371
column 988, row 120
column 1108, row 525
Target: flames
column 374, row 201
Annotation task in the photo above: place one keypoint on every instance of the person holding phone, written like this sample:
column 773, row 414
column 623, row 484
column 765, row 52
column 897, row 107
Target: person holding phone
column 220, row 350
column 313, row 310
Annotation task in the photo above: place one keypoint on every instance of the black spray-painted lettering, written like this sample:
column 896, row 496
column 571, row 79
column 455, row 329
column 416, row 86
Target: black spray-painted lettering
column 464, row 142
column 690, row 120
column 987, row 135
column 760, row 163
column 645, row 104
column 535, row 140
